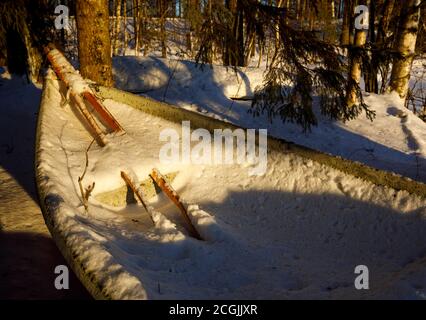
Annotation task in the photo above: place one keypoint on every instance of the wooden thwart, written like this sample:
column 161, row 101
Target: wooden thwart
column 135, row 190
column 99, row 135
column 102, row 111
column 167, row 189
column 172, row 194
column 67, row 74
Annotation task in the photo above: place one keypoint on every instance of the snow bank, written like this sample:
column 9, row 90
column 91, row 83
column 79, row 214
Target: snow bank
column 393, row 141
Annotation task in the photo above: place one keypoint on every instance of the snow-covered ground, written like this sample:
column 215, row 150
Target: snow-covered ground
column 394, row 141
column 297, row 232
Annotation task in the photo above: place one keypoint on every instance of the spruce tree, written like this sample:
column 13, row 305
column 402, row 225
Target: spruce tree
column 302, row 66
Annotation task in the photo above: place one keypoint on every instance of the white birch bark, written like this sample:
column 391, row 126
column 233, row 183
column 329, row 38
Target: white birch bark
column 406, row 44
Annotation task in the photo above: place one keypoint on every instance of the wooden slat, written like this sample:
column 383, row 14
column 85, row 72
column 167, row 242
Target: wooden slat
column 102, row 111
column 135, row 190
column 99, row 135
column 167, row 189
column 62, row 69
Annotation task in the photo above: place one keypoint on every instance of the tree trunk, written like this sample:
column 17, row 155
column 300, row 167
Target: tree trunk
column 94, row 45
column 311, row 14
column 250, row 46
column 372, row 20
column 345, row 37
column 229, row 52
column 125, row 26
column 163, row 13
column 111, row 23
column 385, row 20
column 117, row 26
column 397, row 12
column 173, row 8
column 240, row 38
column 23, row 35
column 238, row 58
column 277, row 26
column 303, row 9
column 136, row 25
column 406, row 44
column 371, row 83
column 354, row 75
column 188, row 14
column 298, row 13
column 143, row 26
column 381, row 39
column 189, row 41
column 209, row 45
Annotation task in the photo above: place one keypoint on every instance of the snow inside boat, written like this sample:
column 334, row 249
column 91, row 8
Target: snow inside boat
column 298, row 231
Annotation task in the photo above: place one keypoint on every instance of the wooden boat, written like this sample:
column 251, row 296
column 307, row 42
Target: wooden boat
column 296, row 232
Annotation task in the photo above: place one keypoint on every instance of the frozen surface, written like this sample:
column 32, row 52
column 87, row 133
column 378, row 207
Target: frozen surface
column 299, row 231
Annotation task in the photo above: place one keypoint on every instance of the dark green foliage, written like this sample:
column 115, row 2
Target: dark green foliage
column 25, row 27
column 216, row 30
column 302, row 66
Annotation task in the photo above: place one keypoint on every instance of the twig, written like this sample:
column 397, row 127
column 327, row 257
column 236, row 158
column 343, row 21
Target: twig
column 246, row 98
column 85, row 193
column 238, row 90
column 170, row 79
